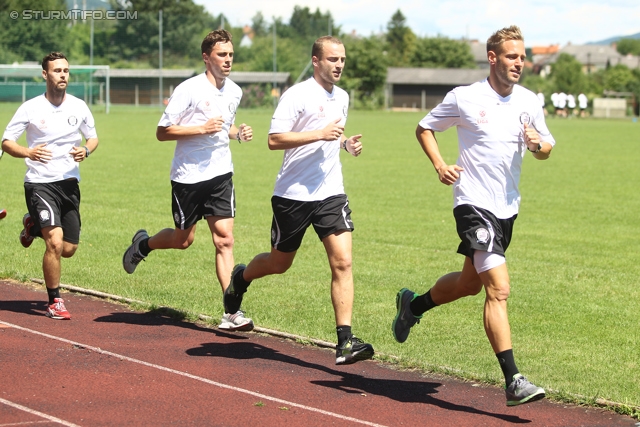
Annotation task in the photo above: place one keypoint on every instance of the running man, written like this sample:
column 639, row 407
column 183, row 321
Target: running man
column 55, row 123
column 200, row 117
column 498, row 121
column 308, row 125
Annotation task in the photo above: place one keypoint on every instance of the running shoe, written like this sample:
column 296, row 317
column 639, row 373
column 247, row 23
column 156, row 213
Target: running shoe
column 3, row 213
column 57, row 310
column 404, row 320
column 236, row 322
column 132, row 255
column 522, row 391
column 232, row 298
column 26, row 239
column 353, row 350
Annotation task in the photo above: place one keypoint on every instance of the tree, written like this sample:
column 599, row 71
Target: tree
column 567, row 74
column 628, row 46
column 441, row 52
column 401, row 40
column 365, row 70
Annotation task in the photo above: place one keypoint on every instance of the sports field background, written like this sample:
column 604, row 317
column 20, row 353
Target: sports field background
column 575, row 298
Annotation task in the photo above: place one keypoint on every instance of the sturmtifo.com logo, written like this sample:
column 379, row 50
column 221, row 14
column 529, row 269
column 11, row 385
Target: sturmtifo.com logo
column 76, row 14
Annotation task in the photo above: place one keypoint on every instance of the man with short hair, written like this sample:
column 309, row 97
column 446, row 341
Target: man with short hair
column 498, row 121
column 200, row 118
column 55, row 123
column 308, row 125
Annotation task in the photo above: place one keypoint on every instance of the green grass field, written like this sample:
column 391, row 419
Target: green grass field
column 575, row 299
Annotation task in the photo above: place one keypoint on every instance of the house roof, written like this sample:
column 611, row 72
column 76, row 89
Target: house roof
column 435, row 76
column 260, row 77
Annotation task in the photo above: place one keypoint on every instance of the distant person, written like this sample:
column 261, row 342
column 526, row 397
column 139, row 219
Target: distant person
column 562, row 104
column 583, row 103
column 486, row 196
column 200, row 117
column 554, row 102
column 55, row 123
column 3, row 212
column 308, row 125
column 571, row 104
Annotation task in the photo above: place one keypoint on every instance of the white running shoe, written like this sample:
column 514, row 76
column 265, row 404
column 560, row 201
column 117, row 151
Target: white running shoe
column 236, row 322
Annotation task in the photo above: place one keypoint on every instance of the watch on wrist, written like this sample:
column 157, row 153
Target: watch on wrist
column 537, row 150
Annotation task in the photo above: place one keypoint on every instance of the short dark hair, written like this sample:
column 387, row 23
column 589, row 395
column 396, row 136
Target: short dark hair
column 504, row 35
column 215, row 36
column 52, row 57
column 318, row 45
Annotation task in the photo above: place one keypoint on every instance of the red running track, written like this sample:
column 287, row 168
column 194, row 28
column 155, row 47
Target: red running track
column 111, row 366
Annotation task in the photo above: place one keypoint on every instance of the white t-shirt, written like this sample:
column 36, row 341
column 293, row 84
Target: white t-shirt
column 571, row 101
column 583, row 101
column 199, row 158
column 61, row 127
column 562, row 100
column 490, row 142
column 313, row 171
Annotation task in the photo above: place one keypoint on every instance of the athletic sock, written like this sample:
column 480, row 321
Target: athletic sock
column 143, row 247
column 508, row 365
column 53, row 294
column 344, row 333
column 422, row 303
column 242, row 282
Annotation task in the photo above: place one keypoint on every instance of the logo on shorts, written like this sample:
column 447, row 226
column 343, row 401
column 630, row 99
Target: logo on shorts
column 273, row 235
column 72, row 120
column 176, row 217
column 525, row 118
column 482, row 235
column 44, row 216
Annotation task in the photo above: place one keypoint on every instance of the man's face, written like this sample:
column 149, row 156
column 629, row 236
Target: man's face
column 57, row 75
column 332, row 63
column 219, row 60
column 510, row 62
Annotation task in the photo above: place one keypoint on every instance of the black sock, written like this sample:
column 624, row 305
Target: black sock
column 422, row 304
column 508, row 365
column 344, row 333
column 143, row 247
column 242, row 282
column 53, row 294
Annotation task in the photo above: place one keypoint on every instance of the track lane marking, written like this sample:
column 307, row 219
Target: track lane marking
column 34, row 412
column 193, row 377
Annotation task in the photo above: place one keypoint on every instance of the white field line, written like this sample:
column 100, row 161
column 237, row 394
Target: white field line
column 193, row 377
column 34, row 412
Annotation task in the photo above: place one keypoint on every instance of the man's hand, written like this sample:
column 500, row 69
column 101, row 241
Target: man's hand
column 40, row 153
column 78, row 153
column 531, row 138
column 448, row 174
column 245, row 132
column 332, row 131
column 353, row 145
column 213, row 125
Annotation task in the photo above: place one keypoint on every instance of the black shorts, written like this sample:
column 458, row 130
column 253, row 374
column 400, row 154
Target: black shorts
column 55, row 204
column 192, row 202
column 291, row 218
column 480, row 230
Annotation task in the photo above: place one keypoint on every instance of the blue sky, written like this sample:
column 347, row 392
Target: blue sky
column 543, row 22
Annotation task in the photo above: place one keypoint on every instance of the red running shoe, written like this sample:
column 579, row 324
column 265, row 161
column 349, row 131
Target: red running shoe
column 3, row 213
column 57, row 310
column 26, row 239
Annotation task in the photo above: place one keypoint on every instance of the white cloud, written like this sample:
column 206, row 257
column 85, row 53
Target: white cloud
column 543, row 21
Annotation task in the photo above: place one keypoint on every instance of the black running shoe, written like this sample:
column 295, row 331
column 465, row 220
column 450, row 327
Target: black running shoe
column 353, row 350
column 232, row 298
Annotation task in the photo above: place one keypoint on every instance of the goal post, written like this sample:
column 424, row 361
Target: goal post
column 19, row 82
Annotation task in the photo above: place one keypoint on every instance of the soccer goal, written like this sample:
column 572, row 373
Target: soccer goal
column 19, row 82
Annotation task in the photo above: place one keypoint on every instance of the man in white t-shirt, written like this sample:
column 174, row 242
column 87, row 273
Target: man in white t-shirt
column 583, row 103
column 200, row 117
column 562, row 104
column 55, row 123
column 308, row 125
column 571, row 104
column 498, row 121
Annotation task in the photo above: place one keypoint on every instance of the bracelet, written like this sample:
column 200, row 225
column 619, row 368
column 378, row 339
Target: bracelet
column 87, row 150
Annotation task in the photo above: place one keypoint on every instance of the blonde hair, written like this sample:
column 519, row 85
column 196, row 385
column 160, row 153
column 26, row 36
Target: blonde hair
column 506, row 34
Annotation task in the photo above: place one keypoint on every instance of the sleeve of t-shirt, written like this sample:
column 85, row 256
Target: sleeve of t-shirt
column 287, row 113
column 443, row 116
column 88, row 126
column 178, row 105
column 17, row 125
column 540, row 124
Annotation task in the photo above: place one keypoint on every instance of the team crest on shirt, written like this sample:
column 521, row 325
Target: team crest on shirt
column 345, row 110
column 232, row 108
column 482, row 119
column 321, row 112
column 482, row 235
column 42, row 124
column 525, row 118
column 44, row 216
column 72, row 120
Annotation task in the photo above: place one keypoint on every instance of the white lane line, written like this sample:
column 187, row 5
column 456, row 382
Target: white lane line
column 34, row 412
column 195, row 377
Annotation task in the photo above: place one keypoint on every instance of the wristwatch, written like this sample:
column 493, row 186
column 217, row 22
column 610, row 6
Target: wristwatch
column 537, row 150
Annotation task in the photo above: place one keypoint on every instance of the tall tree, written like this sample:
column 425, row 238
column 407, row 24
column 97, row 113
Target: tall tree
column 628, row 46
column 441, row 52
column 401, row 40
column 567, row 74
